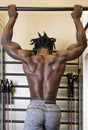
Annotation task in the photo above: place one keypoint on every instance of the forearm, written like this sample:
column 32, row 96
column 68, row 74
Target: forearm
column 80, row 33
column 8, row 30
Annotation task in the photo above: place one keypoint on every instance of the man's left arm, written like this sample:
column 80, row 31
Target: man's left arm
column 75, row 50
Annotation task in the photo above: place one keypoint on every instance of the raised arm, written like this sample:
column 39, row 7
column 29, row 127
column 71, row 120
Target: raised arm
column 75, row 50
column 13, row 48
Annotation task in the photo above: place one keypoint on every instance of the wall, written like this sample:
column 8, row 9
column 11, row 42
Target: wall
column 51, row 3
column 1, row 110
column 85, row 75
column 85, row 90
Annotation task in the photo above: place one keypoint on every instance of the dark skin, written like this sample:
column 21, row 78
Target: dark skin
column 44, row 70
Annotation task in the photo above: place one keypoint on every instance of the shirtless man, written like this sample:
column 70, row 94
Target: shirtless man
column 44, row 70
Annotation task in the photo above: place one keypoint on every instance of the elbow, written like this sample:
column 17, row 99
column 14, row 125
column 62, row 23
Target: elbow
column 85, row 44
column 2, row 41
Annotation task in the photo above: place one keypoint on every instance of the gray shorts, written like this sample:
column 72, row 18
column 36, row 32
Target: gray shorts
column 42, row 115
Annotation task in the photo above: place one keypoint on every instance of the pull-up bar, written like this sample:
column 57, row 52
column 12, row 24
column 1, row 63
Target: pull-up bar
column 43, row 8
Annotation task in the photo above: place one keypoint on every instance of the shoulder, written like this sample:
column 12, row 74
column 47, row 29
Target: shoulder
column 26, row 53
column 62, row 53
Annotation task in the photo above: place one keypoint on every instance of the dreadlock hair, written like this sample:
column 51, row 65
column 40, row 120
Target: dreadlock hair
column 43, row 41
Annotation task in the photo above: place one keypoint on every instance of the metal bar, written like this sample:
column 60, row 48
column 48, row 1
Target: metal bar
column 22, row 121
column 14, row 74
column 23, row 74
column 85, row 28
column 24, row 109
column 42, row 8
column 27, row 98
column 26, row 86
column 18, row 62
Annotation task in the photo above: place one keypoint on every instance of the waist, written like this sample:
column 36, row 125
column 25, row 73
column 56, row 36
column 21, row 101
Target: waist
column 43, row 101
column 43, row 105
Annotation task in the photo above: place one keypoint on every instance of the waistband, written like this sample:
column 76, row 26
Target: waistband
column 43, row 105
column 44, row 102
column 50, row 102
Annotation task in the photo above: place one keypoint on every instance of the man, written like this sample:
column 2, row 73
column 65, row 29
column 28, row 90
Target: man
column 44, row 70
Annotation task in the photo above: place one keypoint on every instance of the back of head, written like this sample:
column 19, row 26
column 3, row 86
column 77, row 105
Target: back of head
column 43, row 42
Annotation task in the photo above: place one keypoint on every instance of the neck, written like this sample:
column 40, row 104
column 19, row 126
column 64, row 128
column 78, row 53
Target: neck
column 44, row 51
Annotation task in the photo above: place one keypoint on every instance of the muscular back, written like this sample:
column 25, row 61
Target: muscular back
column 44, row 74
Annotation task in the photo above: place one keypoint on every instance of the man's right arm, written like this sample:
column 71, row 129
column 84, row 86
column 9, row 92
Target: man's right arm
column 13, row 48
